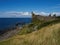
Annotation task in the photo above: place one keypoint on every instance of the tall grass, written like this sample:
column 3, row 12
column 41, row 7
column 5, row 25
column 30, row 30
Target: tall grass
column 32, row 27
column 48, row 23
column 45, row 36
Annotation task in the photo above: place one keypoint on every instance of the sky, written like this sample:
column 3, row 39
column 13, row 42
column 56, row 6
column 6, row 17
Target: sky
column 23, row 8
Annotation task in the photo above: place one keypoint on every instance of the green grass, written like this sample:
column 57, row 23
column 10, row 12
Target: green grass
column 40, row 24
column 48, row 23
column 49, row 35
column 30, row 28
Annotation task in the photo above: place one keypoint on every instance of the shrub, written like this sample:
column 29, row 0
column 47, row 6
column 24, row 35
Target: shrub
column 48, row 23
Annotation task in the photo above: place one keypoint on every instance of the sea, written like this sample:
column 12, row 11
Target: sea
column 10, row 22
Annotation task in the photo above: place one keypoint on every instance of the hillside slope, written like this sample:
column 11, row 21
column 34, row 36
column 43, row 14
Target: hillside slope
column 49, row 35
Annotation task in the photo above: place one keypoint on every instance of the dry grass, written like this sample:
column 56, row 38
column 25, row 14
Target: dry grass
column 46, row 36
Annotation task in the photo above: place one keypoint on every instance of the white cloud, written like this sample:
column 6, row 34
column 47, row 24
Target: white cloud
column 46, row 14
column 42, row 13
column 57, row 13
column 24, row 14
column 18, row 13
column 15, row 14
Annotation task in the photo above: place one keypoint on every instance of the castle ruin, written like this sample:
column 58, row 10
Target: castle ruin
column 45, row 18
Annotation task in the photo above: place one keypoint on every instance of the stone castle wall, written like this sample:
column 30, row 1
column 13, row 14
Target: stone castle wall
column 45, row 18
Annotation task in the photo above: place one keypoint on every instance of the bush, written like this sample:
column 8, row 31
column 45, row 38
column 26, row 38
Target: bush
column 25, row 31
column 30, row 28
column 48, row 23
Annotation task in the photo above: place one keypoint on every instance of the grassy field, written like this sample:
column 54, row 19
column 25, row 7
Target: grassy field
column 34, row 26
column 49, row 35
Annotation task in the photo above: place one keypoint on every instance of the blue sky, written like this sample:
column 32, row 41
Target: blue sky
column 23, row 8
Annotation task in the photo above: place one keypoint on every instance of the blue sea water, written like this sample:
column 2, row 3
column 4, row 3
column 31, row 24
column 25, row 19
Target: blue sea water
column 7, row 22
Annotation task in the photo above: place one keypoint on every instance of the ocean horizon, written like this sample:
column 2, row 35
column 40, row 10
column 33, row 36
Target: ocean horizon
column 9, row 22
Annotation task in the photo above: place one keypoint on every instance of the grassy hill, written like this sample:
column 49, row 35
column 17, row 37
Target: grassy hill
column 48, row 35
column 38, row 32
